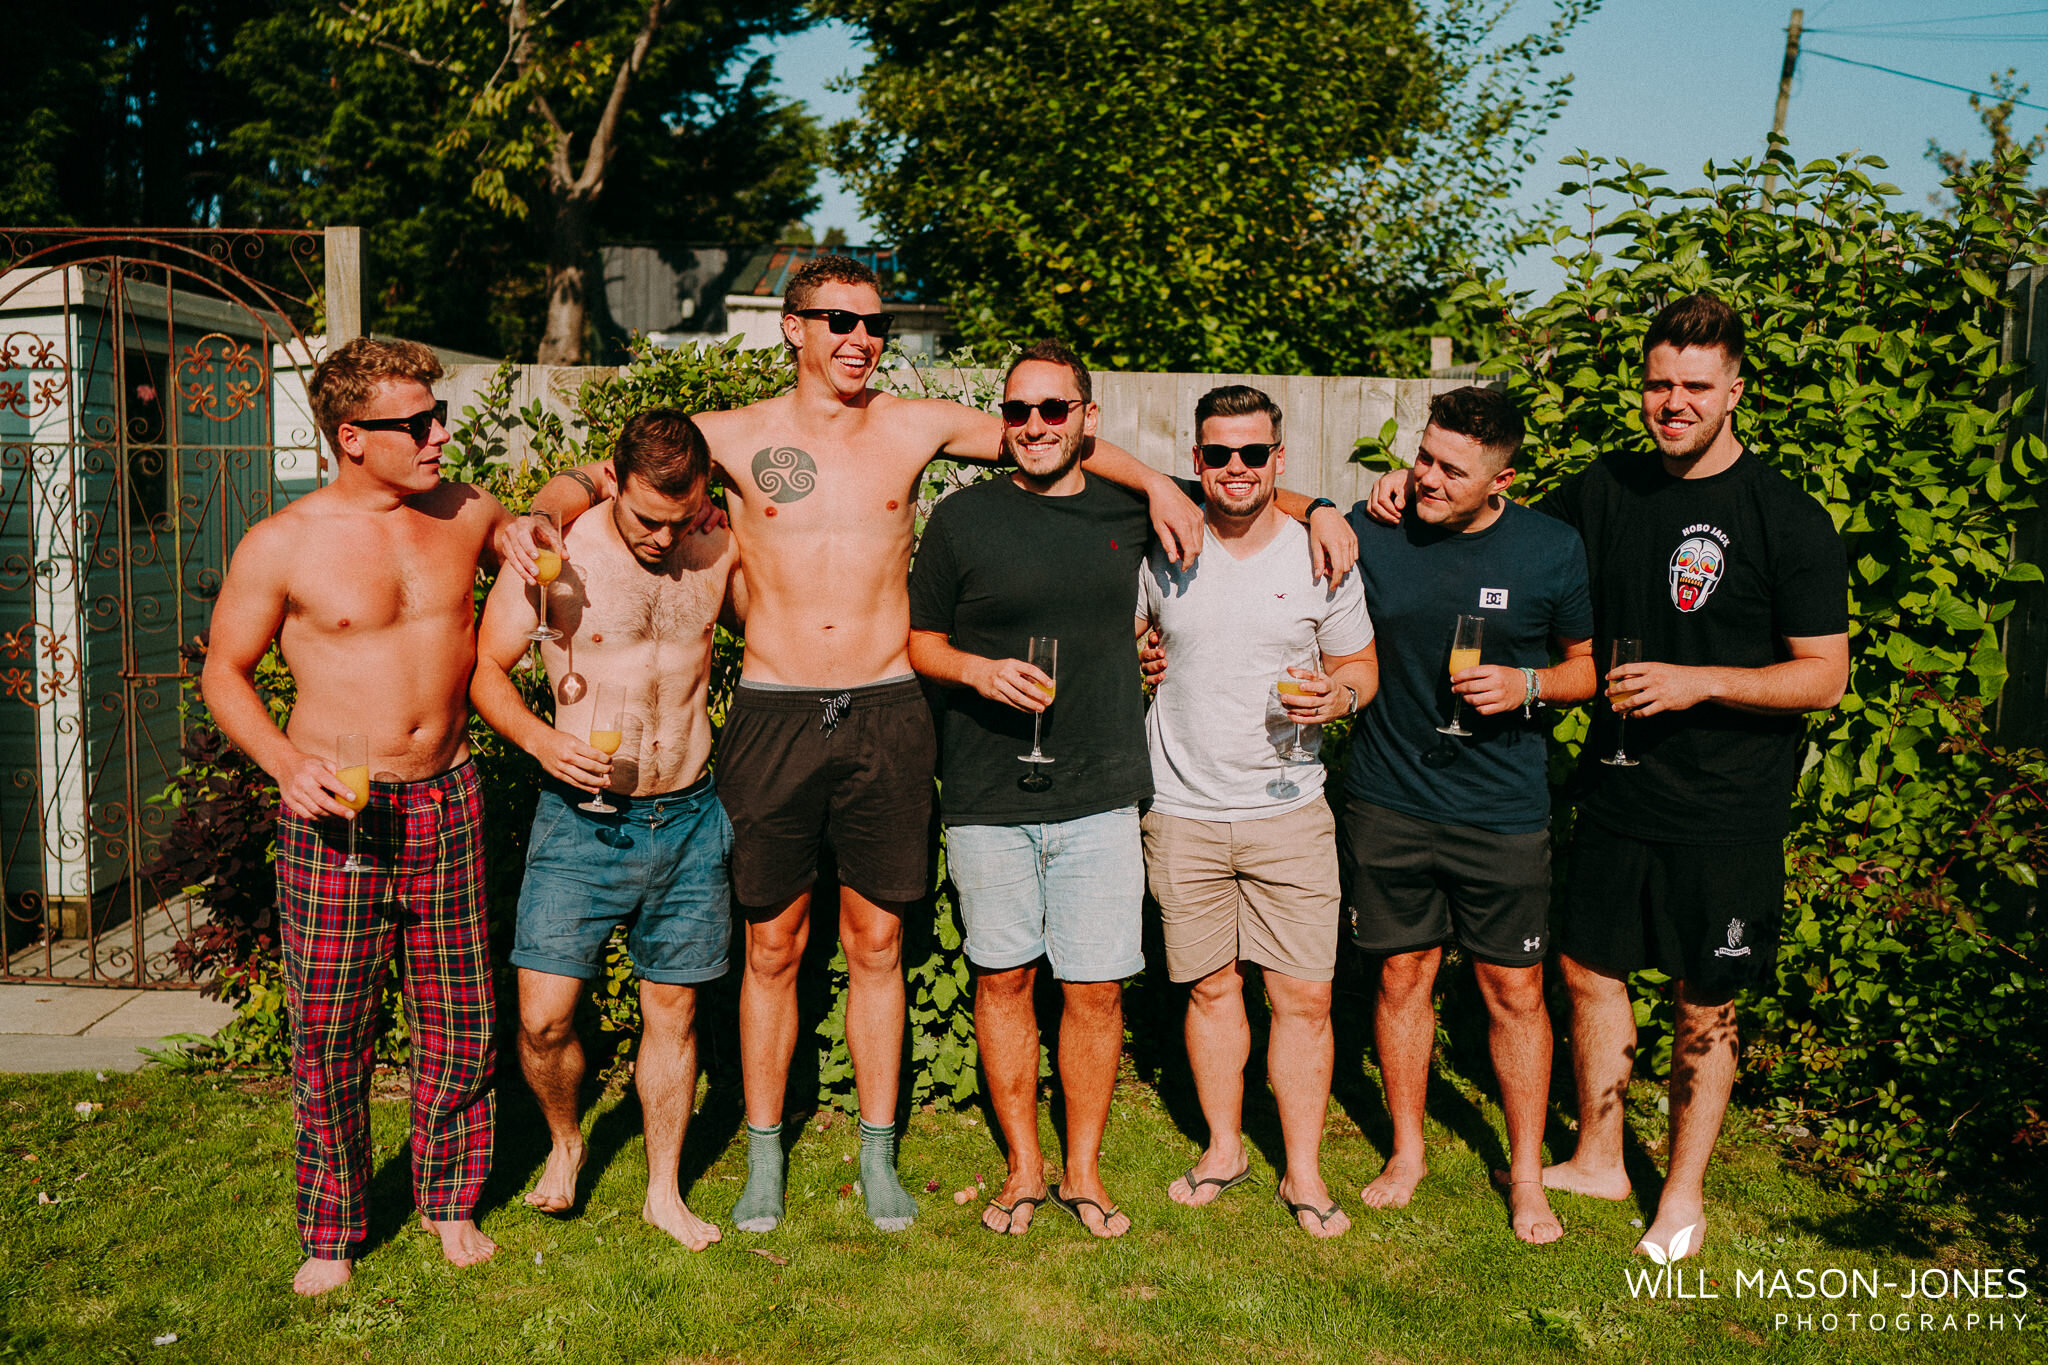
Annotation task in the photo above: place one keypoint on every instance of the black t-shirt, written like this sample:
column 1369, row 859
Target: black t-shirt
column 1709, row 571
column 1525, row 577
column 998, row 565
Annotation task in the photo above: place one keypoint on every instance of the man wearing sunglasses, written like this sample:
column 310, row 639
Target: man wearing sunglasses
column 1047, row 859
column 366, row 587
column 829, row 735
column 1239, row 844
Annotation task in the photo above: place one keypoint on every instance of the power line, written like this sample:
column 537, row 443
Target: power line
column 1935, row 37
column 1926, row 80
column 1953, row 19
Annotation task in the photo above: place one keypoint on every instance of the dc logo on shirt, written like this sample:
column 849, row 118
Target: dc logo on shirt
column 1493, row 599
column 1696, row 568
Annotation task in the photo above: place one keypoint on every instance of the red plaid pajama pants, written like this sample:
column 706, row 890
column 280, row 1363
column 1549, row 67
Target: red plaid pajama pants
column 423, row 898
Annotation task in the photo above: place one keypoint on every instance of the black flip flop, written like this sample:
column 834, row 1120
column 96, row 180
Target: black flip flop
column 1322, row 1216
column 1072, row 1204
column 1009, row 1212
column 1224, row 1184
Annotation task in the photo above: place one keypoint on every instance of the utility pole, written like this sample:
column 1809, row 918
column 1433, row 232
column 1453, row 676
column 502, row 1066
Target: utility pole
column 1785, row 86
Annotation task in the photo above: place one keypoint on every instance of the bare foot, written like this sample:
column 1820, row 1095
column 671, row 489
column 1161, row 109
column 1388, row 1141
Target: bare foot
column 1678, row 1231
column 1219, row 1163
column 1017, row 1221
column 1595, row 1184
column 1529, row 1211
column 555, row 1191
column 1395, row 1185
column 462, row 1241
column 1092, row 1205
column 317, row 1276
column 673, row 1216
column 1309, row 1200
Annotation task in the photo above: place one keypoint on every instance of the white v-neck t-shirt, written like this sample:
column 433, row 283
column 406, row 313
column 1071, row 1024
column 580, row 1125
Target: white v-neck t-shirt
column 1230, row 628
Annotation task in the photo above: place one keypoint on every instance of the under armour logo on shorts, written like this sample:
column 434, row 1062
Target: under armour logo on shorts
column 1530, row 945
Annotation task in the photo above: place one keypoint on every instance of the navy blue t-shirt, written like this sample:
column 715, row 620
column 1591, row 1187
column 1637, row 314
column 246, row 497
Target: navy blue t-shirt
column 1525, row 576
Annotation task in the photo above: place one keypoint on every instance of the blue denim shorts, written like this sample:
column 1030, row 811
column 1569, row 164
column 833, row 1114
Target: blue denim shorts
column 658, row 866
column 1071, row 892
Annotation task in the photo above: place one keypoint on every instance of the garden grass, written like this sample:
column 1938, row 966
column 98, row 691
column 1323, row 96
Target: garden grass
column 171, row 1213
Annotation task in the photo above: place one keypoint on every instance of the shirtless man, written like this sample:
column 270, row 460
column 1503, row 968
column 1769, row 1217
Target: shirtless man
column 637, row 603
column 829, row 732
column 365, row 585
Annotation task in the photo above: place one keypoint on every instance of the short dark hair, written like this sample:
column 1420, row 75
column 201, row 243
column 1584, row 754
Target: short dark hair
column 1236, row 400
column 1487, row 416
column 665, row 449
column 1055, row 353
column 823, row 269
column 1698, row 320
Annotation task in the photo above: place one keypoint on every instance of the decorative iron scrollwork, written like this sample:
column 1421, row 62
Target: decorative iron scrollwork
column 30, row 352
column 51, row 678
column 219, row 398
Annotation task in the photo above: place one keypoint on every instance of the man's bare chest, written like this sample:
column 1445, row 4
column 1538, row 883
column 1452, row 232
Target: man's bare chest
column 381, row 584
column 622, row 604
column 867, row 484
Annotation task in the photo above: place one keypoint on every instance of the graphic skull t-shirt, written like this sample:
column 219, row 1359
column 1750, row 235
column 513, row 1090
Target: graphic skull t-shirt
column 1713, row 571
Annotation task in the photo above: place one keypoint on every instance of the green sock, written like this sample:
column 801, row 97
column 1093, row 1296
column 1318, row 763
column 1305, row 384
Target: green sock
column 889, row 1204
column 760, row 1206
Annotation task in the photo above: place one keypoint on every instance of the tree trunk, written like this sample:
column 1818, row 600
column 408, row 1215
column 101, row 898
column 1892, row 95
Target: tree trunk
column 568, row 280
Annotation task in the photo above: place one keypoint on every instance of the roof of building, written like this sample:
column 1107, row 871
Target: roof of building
column 767, row 274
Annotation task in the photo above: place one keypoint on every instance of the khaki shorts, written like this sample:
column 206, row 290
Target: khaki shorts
column 1263, row 891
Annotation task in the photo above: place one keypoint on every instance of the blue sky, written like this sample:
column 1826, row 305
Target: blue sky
column 1667, row 85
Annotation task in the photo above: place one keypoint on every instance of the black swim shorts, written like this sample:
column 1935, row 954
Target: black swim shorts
column 798, row 765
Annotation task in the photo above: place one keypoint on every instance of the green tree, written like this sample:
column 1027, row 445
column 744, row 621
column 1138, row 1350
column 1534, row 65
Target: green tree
column 1195, row 184
column 1996, row 117
column 553, row 102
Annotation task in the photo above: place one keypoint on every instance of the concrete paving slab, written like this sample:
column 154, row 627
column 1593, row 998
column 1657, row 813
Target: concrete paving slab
column 42, row 1053
column 158, row 1014
column 57, row 1010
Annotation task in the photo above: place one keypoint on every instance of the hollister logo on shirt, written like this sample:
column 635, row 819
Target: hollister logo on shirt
column 1696, row 566
column 1493, row 599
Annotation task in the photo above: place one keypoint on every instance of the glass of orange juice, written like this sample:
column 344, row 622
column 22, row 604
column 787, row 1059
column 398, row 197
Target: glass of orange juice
column 547, row 557
column 606, row 731
column 1464, row 655
column 1290, row 686
column 352, row 766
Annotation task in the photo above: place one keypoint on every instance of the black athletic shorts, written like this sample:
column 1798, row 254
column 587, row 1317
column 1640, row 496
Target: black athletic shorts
column 796, row 765
column 1415, row 884
column 1705, row 914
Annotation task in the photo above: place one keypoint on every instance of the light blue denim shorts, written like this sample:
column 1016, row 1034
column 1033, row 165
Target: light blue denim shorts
column 658, row 866
column 1071, row 892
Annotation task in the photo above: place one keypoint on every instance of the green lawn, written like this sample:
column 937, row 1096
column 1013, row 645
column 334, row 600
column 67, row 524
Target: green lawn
column 171, row 1213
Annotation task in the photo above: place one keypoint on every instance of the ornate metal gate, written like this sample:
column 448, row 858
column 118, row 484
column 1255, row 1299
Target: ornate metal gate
column 152, row 408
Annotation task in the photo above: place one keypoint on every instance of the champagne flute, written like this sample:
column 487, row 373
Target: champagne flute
column 1290, row 686
column 352, row 766
column 1464, row 655
column 605, row 734
column 1625, row 652
column 1042, row 652
column 547, row 557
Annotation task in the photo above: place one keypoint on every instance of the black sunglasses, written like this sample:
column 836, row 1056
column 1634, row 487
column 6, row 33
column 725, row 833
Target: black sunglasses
column 1016, row 412
column 419, row 426
column 842, row 322
column 1254, row 456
